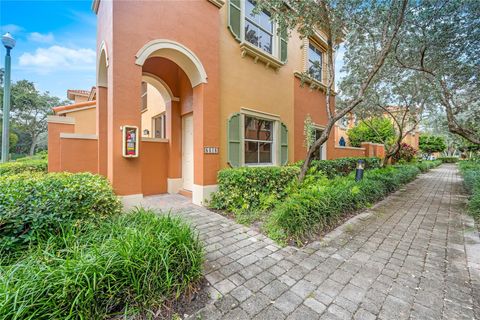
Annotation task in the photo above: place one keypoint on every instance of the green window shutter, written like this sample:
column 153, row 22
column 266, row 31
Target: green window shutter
column 283, row 144
column 234, row 17
column 234, row 141
column 283, row 46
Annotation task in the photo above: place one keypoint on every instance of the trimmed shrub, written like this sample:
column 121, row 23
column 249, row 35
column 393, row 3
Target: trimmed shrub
column 37, row 205
column 127, row 264
column 448, row 159
column 250, row 188
column 27, row 165
column 471, row 177
column 316, row 206
column 406, row 153
column 341, row 166
column 424, row 166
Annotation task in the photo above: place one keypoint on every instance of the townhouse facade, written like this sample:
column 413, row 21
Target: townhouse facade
column 187, row 88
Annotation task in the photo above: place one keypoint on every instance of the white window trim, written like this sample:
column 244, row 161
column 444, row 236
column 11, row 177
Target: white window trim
column 270, row 59
column 162, row 114
column 324, row 145
column 275, row 36
column 276, row 136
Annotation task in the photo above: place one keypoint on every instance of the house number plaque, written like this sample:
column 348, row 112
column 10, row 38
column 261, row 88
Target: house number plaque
column 210, row 150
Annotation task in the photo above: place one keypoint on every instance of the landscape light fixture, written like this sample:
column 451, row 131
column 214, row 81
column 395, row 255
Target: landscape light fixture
column 359, row 171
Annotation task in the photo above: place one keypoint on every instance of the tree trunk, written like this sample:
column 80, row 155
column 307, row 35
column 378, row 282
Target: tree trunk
column 33, row 145
column 317, row 144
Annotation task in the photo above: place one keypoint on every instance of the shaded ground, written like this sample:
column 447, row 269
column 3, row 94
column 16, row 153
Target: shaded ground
column 415, row 255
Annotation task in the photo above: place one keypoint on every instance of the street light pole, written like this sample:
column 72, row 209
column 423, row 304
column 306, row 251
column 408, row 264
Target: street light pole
column 9, row 43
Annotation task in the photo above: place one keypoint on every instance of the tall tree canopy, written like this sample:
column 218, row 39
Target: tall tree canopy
column 441, row 40
column 342, row 20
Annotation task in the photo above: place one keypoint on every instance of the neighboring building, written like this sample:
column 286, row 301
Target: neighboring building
column 350, row 121
column 219, row 89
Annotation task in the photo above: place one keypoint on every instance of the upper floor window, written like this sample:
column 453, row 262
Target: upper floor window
column 258, row 28
column 315, row 61
column 257, row 33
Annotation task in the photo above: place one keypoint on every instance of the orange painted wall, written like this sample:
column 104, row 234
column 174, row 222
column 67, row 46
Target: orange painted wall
column 154, row 160
column 125, row 79
column 54, row 150
column 346, row 152
column 79, row 155
column 307, row 102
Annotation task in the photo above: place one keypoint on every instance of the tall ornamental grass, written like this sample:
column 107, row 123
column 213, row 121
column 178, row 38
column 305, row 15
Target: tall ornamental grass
column 124, row 265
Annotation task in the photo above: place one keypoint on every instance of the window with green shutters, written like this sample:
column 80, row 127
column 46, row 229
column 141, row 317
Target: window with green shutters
column 234, row 141
column 283, row 144
column 256, row 141
column 256, row 29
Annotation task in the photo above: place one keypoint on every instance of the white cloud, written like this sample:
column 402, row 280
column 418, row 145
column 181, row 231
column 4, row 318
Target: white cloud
column 39, row 37
column 12, row 28
column 46, row 60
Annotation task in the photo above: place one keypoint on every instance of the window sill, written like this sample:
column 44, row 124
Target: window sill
column 312, row 82
column 217, row 3
column 259, row 55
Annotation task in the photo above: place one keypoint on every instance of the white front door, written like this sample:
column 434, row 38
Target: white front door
column 187, row 152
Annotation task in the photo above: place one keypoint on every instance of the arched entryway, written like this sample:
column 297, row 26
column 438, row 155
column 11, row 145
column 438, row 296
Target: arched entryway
column 178, row 76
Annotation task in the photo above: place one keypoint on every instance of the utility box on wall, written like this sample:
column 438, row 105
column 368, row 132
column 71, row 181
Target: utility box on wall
column 130, row 141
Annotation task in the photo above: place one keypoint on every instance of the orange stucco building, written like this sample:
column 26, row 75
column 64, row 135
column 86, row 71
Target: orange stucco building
column 208, row 85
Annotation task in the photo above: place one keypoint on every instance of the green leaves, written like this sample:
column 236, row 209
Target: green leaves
column 471, row 176
column 35, row 205
column 431, row 143
column 126, row 264
column 376, row 130
column 316, row 207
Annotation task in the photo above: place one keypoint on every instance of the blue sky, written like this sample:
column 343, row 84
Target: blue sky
column 56, row 43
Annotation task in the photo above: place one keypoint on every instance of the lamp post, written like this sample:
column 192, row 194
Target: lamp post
column 9, row 43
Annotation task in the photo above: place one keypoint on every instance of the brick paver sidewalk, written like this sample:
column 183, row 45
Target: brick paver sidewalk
column 413, row 256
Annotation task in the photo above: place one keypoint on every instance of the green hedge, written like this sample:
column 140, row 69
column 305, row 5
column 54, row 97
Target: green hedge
column 318, row 205
column 125, row 265
column 471, row 176
column 341, row 166
column 24, row 165
column 247, row 188
column 36, row 205
column 424, row 166
column 448, row 159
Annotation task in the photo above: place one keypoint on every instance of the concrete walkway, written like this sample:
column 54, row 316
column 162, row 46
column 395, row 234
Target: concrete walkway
column 415, row 255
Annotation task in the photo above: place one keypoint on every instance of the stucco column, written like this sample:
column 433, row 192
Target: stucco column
column 206, row 128
column 174, row 135
column 123, row 109
column 102, row 128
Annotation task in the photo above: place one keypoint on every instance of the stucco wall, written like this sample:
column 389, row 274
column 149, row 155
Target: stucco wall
column 79, row 155
column 154, row 159
column 85, row 120
column 155, row 106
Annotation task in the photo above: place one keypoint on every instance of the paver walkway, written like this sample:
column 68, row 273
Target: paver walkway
column 413, row 256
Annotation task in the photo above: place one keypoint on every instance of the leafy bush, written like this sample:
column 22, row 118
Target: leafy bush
column 245, row 188
column 23, row 165
column 342, row 166
column 37, row 205
column 126, row 264
column 406, row 153
column 448, row 159
column 316, row 206
column 424, row 166
column 377, row 130
column 471, row 176
column 430, row 143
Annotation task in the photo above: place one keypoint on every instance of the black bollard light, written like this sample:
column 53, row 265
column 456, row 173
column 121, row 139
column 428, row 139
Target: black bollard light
column 359, row 171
